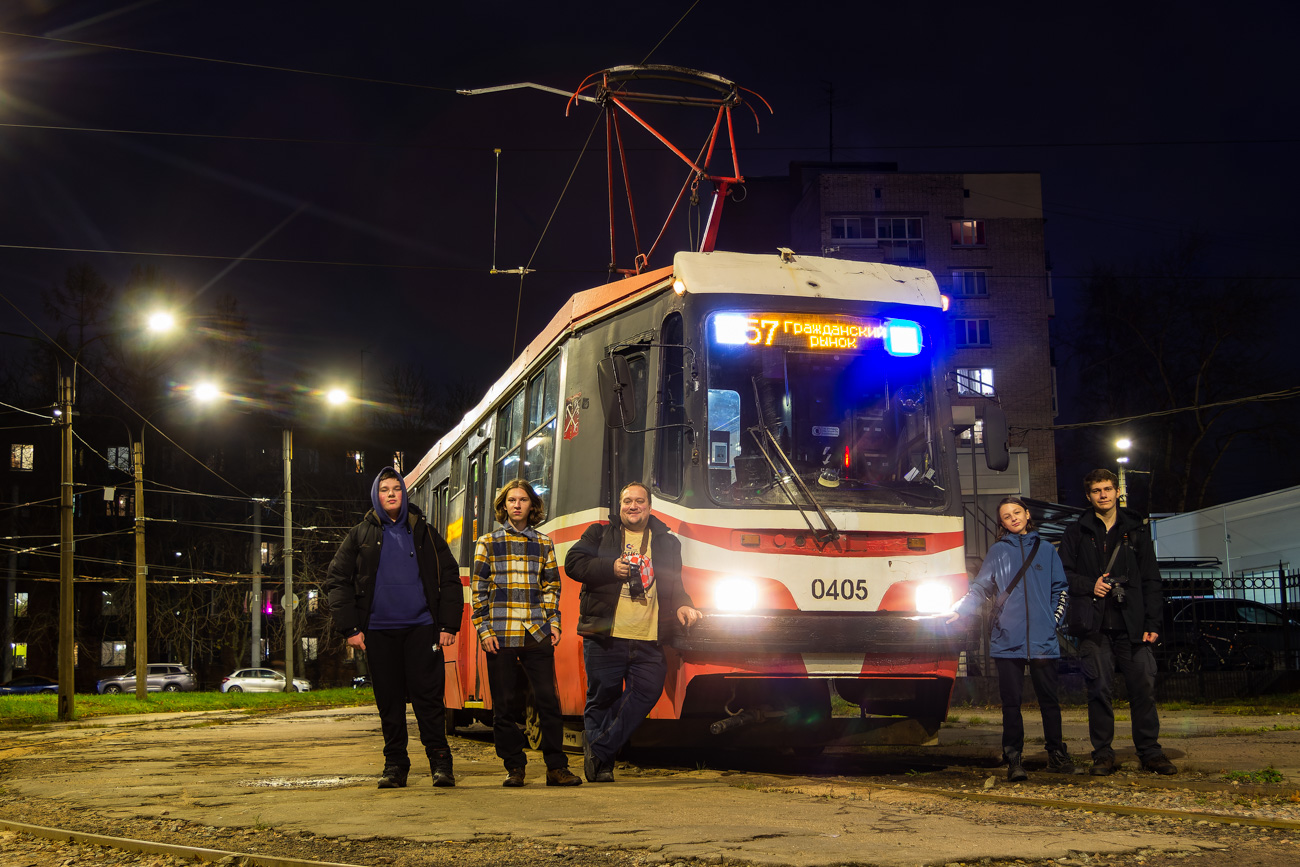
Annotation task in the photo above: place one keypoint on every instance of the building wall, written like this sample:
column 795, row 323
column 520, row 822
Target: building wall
column 1011, row 256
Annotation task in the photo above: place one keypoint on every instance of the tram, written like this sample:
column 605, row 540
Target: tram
column 790, row 416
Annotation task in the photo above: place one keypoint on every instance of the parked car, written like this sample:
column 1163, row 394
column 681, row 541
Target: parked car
column 28, row 684
column 161, row 677
column 260, row 680
column 1218, row 633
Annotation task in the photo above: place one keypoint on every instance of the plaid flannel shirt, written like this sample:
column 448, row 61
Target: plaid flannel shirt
column 516, row 586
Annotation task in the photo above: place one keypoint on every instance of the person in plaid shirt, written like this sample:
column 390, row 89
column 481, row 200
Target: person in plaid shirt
column 516, row 611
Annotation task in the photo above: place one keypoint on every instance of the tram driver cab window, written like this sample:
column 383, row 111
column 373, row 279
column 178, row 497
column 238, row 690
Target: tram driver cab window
column 856, row 427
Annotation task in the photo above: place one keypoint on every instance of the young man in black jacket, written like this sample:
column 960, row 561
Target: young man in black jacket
column 1111, row 564
column 394, row 591
column 631, row 602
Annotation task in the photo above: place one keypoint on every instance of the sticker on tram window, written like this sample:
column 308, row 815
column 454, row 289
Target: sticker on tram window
column 845, row 589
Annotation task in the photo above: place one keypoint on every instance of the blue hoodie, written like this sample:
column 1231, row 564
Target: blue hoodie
column 399, row 594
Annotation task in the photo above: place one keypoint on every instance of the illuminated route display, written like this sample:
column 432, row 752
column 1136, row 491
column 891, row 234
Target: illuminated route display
column 809, row 331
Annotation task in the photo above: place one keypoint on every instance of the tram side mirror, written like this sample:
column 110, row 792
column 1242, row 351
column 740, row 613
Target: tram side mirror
column 996, row 453
column 617, row 393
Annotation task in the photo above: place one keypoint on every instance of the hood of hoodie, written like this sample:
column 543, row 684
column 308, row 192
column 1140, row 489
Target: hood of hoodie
column 379, row 509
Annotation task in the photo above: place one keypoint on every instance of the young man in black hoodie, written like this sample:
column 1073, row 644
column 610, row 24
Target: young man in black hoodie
column 395, row 593
column 1111, row 564
column 631, row 602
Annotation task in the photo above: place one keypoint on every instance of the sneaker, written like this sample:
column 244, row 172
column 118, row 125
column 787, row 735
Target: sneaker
column 514, row 778
column 1159, row 764
column 392, row 778
column 562, row 777
column 1103, row 767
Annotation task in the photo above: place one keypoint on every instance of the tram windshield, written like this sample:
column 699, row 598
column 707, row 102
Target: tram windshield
column 843, row 403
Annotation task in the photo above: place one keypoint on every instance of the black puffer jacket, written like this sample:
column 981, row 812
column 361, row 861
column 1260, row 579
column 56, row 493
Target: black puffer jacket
column 350, row 582
column 1086, row 548
column 591, row 563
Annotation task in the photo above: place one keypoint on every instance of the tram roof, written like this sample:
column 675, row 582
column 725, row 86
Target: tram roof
column 805, row 276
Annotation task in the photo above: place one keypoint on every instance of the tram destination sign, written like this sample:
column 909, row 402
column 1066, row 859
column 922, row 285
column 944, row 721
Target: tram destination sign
column 810, row 331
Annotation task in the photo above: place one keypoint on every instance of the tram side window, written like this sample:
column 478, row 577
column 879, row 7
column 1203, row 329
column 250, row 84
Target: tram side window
column 671, row 458
column 440, row 497
column 457, row 463
column 631, row 453
column 539, row 448
column 510, row 424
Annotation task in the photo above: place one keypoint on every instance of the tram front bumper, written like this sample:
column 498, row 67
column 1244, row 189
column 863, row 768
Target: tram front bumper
column 824, row 632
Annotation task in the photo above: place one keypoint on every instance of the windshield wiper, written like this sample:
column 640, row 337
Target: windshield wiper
column 832, row 531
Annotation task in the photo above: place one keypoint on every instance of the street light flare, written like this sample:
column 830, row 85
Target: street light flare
column 161, row 321
column 336, row 396
column 206, row 391
column 1124, row 443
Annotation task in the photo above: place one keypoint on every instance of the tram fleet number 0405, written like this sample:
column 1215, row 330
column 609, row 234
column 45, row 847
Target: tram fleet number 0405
column 846, row 590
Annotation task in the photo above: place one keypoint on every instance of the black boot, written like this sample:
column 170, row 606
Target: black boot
column 393, row 777
column 1015, row 770
column 441, row 767
column 1059, row 762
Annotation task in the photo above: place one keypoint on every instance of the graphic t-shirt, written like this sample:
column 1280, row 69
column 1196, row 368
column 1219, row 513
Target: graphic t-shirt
column 638, row 617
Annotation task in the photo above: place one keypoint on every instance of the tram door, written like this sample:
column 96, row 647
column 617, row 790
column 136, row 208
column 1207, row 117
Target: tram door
column 478, row 520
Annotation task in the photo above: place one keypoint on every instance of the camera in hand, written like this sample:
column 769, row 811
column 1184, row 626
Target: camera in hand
column 634, row 586
column 1118, row 589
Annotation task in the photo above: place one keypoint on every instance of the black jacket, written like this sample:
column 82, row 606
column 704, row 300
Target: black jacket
column 1084, row 553
column 591, row 561
column 350, row 581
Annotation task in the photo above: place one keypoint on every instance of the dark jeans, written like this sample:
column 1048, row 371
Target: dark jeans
column 1011, row 681
column 625, row 678
column 536, row 662
column 1101, row 654
column 407, row 663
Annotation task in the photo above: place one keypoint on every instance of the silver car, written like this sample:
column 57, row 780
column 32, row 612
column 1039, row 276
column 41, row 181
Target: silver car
column 261, row 680
column 161, row 677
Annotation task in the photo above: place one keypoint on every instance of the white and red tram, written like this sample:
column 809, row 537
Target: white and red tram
column 791, row 417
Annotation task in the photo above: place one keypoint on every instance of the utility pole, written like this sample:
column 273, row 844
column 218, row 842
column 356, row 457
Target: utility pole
column 255, row 625
column 11, row 590
column 67, row 641
column 141, row 570
column 289, row 643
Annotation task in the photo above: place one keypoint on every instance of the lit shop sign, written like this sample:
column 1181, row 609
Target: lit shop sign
column 834, row 333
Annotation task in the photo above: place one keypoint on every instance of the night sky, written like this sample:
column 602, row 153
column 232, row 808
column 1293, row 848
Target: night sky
column 1146, row 124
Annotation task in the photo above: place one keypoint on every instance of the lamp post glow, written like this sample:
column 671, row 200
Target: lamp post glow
column 1123, row 445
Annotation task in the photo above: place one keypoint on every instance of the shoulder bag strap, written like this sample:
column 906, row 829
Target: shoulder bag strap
column 1006, row 594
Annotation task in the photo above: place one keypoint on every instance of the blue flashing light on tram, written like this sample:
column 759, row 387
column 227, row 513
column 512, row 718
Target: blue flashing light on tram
column 902, row 338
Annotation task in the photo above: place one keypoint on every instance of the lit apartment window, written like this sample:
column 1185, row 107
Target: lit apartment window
column 968, row 233
column 972, row 332
column 310, row 649
column 112, row 653
column 119, row 458
column 970, row 284
column 313, row 601
column 846, row 229
column 357, row 461
column 974, row 380
column 107, row 604
column 900, row 238
column 20, row 605
column 398, row 459
column 21, row 457
column 265, row 553
column 972, row 434
column 20, row 654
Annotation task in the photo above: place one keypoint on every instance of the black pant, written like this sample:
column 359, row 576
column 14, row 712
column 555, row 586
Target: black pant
column 1101, row 654
column 537, row 661
column 407, row 663
column 1011, row 680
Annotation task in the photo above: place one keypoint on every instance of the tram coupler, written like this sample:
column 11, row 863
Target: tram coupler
column 735, row 721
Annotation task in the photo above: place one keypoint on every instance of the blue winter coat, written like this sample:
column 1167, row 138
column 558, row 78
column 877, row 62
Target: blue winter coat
column 1034, row 609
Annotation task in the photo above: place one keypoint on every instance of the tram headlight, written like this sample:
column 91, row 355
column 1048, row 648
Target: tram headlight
column 735, row 593
column 933, row 597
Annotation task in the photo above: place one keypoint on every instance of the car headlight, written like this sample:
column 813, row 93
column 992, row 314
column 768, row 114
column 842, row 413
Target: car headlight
column 735, row 594
column 933, row 597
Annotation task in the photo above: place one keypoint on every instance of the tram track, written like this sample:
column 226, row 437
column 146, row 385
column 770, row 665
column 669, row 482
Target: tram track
column 149, row 847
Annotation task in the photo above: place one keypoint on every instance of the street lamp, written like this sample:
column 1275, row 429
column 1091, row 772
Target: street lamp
column 1123, row 445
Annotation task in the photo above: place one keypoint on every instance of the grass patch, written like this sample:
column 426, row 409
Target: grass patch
column 1267, row 775
column 24, row 711
column 977, row 721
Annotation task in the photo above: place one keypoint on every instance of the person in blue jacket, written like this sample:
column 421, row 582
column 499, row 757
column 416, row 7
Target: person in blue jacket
column 1024, row 631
